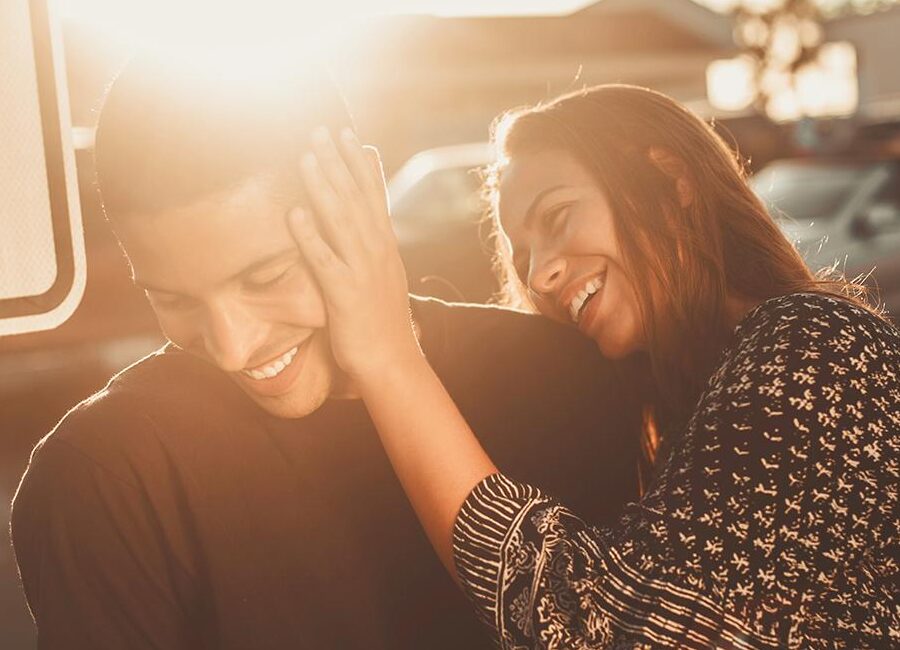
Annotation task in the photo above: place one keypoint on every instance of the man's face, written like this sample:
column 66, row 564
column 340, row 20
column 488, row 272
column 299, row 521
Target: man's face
column 228, row 285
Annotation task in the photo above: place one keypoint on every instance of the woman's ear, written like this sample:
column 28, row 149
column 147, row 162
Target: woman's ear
column 675, row 168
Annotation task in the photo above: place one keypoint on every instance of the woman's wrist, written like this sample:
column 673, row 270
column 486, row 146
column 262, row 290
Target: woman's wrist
column 404, row 365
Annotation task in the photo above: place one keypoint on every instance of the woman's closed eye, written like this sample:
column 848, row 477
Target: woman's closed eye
column 555, row 217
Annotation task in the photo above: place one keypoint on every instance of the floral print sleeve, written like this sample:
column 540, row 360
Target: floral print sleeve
column 773, row 524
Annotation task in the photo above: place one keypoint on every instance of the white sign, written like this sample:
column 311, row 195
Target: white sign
column 42, row 263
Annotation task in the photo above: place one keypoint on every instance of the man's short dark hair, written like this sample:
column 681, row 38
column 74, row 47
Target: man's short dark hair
column 171, row 133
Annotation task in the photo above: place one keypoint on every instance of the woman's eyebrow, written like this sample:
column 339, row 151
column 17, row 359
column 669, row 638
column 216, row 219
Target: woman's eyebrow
column 532, row 209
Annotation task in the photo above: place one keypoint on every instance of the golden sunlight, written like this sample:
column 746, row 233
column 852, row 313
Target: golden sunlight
column 182, row 28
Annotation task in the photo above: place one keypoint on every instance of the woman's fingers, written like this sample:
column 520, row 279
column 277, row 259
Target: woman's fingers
column 369, row 177
column 328, row 268
column 379, row 193
column 345, row 164
column 334, row 167
column 332, row 210
column 346, row 185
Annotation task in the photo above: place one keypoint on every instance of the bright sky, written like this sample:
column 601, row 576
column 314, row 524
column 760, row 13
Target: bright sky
column 94, row 9
column 330, row 22
column 317, row 25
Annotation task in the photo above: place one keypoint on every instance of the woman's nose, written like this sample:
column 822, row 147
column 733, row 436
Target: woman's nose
column 547, row 275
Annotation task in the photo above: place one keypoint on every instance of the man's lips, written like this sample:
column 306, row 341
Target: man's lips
column 258, row 380
column 273, row 366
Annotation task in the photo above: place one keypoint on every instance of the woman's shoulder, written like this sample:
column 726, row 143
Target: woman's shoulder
column 815, row 320
column 811, row 338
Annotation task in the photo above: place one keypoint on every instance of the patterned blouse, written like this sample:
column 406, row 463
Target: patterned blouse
column 773, row 523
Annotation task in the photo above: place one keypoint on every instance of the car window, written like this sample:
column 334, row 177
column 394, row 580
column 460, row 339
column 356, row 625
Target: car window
column 442, row 196
column 807, row 192
column 883, row 211
column 890, row 191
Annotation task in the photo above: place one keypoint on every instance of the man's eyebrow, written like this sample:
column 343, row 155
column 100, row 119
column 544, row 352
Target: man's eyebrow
column 247, row 270
column 532, row 209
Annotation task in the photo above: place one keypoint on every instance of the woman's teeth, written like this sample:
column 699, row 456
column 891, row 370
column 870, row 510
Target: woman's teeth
column 582, row 296
column 273, row 368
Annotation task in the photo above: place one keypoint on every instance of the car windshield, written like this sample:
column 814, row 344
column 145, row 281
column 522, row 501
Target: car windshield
column 443, row 196
column 805, row 191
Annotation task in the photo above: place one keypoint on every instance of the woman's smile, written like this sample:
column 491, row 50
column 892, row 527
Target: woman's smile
column 589, row 311
column 583, row 293
column 568, row 257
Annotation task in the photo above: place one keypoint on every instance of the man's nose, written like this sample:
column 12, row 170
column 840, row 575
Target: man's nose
column 546, row 276
column 232, row 334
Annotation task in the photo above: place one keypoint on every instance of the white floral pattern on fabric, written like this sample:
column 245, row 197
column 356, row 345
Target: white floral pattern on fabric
column 773, row 523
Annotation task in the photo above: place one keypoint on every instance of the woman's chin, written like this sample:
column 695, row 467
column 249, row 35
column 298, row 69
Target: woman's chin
column 612, row 350
column 616, row 345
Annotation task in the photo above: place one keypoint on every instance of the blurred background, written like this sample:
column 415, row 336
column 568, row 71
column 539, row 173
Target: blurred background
column 808, row 91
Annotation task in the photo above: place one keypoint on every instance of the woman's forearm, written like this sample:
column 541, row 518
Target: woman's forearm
column 434, row 452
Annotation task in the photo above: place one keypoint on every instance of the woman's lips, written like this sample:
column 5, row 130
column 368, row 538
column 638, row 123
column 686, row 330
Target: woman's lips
column 590, row 311
column 280, row 383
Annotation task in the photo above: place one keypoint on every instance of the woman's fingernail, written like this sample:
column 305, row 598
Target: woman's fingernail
column 309, row 161
column 347, row 134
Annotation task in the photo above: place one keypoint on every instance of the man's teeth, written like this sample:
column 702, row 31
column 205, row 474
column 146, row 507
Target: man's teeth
column 581, row 297
column 274, row 368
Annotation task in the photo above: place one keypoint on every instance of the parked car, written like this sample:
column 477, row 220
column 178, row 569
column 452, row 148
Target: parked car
column 441, row 224
column 843, row 211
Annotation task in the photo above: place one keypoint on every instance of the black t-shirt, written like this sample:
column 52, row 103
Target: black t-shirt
column 169, row 511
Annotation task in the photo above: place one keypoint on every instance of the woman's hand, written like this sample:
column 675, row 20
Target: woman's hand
column 351, row 248
column 348, row 242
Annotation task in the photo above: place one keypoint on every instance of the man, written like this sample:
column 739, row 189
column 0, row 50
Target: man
column 229, row 491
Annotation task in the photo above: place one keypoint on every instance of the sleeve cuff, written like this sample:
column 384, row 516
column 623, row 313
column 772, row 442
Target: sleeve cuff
column 488, row 518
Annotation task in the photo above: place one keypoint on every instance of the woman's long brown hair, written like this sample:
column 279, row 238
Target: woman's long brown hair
column 684, row 262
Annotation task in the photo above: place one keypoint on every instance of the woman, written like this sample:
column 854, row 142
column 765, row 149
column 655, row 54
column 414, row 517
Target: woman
column 772, row 518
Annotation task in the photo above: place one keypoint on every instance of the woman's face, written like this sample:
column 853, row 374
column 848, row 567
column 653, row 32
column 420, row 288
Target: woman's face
column 560, row 230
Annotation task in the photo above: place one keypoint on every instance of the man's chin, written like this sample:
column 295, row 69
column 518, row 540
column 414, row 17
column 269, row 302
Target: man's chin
column 292, row 406
column 309, row 389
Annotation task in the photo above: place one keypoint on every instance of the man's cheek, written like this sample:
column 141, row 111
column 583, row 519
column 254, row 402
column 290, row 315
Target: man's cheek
column 305, row 305
column 184, row 335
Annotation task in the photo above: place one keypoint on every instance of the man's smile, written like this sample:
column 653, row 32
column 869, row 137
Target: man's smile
column 273, row 367
column 277, row 375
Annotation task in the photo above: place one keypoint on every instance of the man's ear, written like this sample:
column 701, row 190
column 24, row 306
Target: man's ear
column 675, row 168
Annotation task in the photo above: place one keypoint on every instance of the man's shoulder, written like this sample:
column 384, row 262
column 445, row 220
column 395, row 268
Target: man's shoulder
column 429, row 307
column 454, row 325
column 136, row 407
column 164, row 373
column 495, row 355
column 161, row 379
